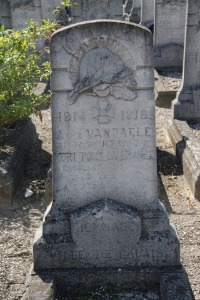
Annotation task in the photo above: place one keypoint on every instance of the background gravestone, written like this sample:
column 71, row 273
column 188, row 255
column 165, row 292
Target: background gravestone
column 22, row 11
column 135, row 15
column 48, row 7
column 105, row 211
column 147, row 13
column 169, row 33
column 187, row 104
column 84, row 10
column 5, row 14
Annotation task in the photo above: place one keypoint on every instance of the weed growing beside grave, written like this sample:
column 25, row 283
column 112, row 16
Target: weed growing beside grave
column 21, row 69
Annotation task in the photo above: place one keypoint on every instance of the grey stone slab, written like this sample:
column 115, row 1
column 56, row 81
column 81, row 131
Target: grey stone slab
column 23, row 12
column 48, row 7
column 135, row 15
column 5, row 14
column 169, row 32
column 147, row 13
column 98, row 235
column 85, row 10
column 168, row 283
column 186, row 147
column 187, row 104
column 39, row 287
column 20, row 140
column 163, row 95
column 105, row 211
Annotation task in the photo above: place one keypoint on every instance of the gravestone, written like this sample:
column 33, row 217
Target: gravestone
column 169, row 34
column 5, row 14
column 24, row 11
column 48, row 7
column 84, row 10
column 135, row 15
column 105, row 212
column 147, row 13
column 187, row 104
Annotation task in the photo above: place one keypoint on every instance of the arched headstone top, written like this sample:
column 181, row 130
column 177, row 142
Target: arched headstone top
column 122, row 47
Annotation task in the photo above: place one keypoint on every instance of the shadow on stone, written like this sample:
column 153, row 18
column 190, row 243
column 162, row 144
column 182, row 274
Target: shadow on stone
column 163, row 283
column 168, row 163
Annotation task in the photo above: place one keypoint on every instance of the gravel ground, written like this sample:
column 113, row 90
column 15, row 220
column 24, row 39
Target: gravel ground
column 171, row 80
column 195, row 128
column 19, row 223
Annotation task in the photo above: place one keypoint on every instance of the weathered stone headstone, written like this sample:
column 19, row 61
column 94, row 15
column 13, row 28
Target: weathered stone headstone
column 169, row 33
column 22, row 11
column 147, row 13
column 48, row 7
column 84, row 10
column 105, row 211
column 135, row 15
column 5, row 14
column 187, row 104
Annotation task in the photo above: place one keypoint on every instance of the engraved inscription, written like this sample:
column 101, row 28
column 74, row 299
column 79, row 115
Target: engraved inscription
column 104, row 112
column 102, row 227
column 134, row 255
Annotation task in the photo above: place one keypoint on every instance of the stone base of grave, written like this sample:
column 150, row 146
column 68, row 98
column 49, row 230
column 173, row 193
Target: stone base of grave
column 163, row 95
column 106, row 234
column 59, row 252
column 186, row 106
column 186, row 147
column 18, row 141
column 169, row 283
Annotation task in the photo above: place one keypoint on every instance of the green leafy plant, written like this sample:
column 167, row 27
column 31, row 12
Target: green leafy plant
column 21, row 69
column 66, row 2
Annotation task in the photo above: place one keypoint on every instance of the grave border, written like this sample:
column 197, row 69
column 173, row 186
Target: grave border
column 186, row 147
column 172, row 283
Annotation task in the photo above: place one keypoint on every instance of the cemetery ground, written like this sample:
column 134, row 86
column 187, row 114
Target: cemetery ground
column 19, row 222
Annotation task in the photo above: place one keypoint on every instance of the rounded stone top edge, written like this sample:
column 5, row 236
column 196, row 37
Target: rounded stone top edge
column 99, row 21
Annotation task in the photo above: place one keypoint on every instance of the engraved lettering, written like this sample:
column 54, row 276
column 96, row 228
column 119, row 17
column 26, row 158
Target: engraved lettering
column 147, row 131
column 67, row 116
column 60, row 135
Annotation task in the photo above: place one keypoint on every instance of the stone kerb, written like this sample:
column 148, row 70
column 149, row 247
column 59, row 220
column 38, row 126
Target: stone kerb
column 186, row 146
column 169, row 34
column 104, row 153
column 187, row 104
column 85, row 10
